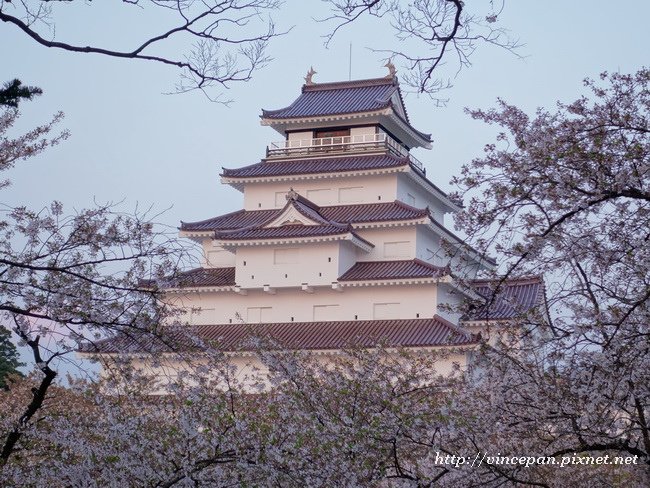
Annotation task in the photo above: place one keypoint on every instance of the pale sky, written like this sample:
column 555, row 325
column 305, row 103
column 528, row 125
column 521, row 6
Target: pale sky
column 133, row 144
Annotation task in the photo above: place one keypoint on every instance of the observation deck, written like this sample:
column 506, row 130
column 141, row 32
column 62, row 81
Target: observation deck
column 341, row 145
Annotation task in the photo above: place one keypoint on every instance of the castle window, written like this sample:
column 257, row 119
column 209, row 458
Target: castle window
column 332, row 133
column 331, row 139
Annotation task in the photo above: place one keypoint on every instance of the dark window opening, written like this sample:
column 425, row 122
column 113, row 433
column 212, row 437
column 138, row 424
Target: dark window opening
column 319, row 134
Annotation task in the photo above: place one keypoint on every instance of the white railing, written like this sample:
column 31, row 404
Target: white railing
column 353, row 143
column 329, row 142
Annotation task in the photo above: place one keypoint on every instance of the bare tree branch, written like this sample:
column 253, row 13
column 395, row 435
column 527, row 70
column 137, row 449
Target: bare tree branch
column 433, row 32
column 229, row 37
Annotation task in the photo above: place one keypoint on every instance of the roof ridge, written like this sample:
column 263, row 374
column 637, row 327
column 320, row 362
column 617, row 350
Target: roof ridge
column 293, row 195
column 341, row 85
column 296, row 200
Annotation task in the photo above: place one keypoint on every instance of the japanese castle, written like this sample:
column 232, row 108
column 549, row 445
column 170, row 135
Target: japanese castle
column 341, row 240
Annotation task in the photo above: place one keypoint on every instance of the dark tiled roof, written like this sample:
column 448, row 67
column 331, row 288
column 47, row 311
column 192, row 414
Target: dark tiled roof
column 203, row 277
column 386, row 270
column 284, row 231
column 372, row 212
column 345, row 97
column 317, row 226
column 430, row 332
column 315, row 166
column 233, row 220
column 338, row 98
column 513, row 298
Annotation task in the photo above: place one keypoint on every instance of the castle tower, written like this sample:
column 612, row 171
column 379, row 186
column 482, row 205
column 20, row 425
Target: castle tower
column 341, row 239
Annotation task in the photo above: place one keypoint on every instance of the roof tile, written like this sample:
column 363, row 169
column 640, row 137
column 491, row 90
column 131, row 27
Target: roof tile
column 373, row 212
column 338, row 98
column 316, row 166
column 202, row 277
column 508, row 300
column 429, row 332
column 386, row 270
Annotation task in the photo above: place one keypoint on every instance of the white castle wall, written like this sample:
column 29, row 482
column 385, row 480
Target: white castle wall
column 391, row 243
column 412, row 193
column 294, row 305
column 322, row 191
column 215, row 256
column 315, row 264
column 250, row 371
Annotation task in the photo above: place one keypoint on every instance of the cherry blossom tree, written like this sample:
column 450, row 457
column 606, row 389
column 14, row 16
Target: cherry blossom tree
column 361, row 420
column 567, row 194
column 370, row 418
column 64, row 278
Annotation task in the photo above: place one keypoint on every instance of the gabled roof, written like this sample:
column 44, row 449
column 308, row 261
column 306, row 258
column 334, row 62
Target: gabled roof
column 390, row 270
column 315, row 166
column 303, row 220
column 431, row 332
column 345, row 97
column 305, row 208
column 509, row 299
column 367, row 212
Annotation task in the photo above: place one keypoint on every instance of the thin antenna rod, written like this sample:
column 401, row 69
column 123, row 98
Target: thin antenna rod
column 350, row 67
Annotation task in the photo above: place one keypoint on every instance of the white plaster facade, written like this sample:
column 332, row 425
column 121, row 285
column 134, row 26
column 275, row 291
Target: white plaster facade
column 296, row 279
column 276, row 272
